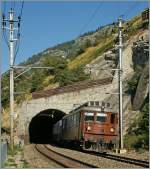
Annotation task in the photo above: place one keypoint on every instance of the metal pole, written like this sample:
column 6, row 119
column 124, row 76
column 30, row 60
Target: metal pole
column 120, row 87
column 11, row 42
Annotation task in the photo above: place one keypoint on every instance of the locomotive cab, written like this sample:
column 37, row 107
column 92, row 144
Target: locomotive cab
column 91, row 126
column 99, row 129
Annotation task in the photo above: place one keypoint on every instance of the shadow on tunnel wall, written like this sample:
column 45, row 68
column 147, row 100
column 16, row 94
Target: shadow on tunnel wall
column 41, row 126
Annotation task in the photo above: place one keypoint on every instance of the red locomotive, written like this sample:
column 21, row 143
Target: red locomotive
column 92, row 126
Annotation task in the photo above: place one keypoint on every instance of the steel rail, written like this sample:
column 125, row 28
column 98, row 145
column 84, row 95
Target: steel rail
column 47, row 156
column 70, row 158
column 67, row 162
column 129, row 160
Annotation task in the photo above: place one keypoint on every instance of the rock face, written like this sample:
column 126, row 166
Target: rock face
column 102, row 66
column 141, row 51
column 142, row 89
column 140, row 58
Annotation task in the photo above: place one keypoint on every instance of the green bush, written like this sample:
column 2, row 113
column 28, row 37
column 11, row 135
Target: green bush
column 67, row 76
column 56, row 62
column 138, row 133
column 36, row 80
column 137, row 142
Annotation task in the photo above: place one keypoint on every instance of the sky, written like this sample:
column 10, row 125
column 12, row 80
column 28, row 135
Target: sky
column 45, row 24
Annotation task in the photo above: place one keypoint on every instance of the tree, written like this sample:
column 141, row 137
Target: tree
column 57, row 63
column 36, row 80
column 67, row 76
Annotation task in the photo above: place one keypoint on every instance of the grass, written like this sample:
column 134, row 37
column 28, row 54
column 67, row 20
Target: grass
column 10, row 162
column 47, row 80
column 11, row 158
column 25, row 164
column 136, row 142
column 15, row 151
column 134, row 26
column 92, row 53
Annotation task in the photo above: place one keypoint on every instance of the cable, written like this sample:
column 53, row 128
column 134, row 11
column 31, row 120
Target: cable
column 14, row 5
column 5, row 38
column 17, row 45
column 22, row 8
column 92, row 16
column 130, row 9
column 3, row 30
column 4, row 8
column 16, row 48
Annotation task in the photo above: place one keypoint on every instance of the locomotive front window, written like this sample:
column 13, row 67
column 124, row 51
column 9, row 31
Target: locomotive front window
column 101, row 117
column 89, row 117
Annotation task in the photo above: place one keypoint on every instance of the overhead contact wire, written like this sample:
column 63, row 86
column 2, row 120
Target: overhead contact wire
column 92, row 16
column 18, row 34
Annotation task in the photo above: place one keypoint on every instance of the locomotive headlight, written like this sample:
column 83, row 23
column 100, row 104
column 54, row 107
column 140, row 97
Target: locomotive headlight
column 112, row 129
column 89, row 128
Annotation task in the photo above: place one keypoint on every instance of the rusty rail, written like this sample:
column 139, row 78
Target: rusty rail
column 61, row 159
column 129, row 160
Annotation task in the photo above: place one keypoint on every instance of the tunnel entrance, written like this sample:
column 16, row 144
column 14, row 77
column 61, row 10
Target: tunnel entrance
column 40, row 127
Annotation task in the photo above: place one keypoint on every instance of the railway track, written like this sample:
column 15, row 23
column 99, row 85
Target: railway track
column 142, row 163
column 69, row 162
column 61, row 159
column 138, row 162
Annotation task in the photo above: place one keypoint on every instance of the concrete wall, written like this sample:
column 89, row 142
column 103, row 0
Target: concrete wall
column 64, row 102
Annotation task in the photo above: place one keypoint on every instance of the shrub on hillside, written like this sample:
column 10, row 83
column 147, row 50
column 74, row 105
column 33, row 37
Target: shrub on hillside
column 67, row 76
column 138, row 133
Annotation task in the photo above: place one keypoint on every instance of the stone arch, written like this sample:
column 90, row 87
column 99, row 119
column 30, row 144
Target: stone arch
column 41, row 125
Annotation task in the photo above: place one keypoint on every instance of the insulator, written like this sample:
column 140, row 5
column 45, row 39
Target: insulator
column 19, row 18
column 18, row 24
column 3, row 16
column 18, row 35
column 3, row 23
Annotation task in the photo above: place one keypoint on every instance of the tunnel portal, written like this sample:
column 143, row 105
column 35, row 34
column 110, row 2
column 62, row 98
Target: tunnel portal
column 40, row 127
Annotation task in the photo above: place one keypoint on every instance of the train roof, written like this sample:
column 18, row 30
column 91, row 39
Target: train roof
column 94, row 106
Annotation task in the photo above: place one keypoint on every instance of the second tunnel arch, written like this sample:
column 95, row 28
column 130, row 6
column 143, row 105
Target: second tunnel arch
column 40, row 127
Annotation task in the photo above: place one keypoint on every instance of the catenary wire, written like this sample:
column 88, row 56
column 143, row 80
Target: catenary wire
column 14, row 5
column 91, row 17
column 4, row 7
column 126, row 13
column 130, row 8
column 5, row 38
column 18, row 34
column 16, row 49
column 22, row 8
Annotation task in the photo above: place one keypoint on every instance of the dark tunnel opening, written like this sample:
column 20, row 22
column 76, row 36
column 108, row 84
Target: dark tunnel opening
column 40, row 127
